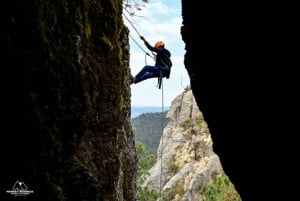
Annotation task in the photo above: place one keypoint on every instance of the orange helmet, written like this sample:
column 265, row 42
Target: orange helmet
column 159, row 44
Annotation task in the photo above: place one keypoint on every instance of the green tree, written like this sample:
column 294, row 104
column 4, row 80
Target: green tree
column 145, row 162
column 220, row 189
column 149, row 128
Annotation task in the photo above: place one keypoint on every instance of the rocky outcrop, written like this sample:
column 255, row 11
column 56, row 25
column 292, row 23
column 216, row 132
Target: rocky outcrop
column 185, row 154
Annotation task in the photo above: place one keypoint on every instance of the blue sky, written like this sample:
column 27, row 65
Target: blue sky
column 157, row 20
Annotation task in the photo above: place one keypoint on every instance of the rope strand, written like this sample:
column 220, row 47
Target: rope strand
column 131, row 24
column 162, row 95
column 162, row 139
column 139, row 46
column 139, row 35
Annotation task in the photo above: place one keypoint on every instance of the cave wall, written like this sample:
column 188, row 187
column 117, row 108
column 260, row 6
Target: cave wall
column 226, row 48
column 66, row 101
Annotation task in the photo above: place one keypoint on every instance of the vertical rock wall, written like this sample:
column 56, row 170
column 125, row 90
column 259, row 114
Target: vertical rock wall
column 227, row 46
column 66, row 101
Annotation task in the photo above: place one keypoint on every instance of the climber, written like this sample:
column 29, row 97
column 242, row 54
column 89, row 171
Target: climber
column 162, row 65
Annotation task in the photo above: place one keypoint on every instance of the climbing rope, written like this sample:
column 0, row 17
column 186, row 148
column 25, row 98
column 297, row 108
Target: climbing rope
column 162, row 140
column 139, row 46
column 153, row 57
column 160, row 85
column 131, row 24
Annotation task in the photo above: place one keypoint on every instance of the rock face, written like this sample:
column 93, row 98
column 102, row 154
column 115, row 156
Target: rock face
column 66, row 129
column 65, row 97
column 226, row 48
column 185, row 154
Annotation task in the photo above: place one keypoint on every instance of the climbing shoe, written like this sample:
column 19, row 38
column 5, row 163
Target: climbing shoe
column 132, row 79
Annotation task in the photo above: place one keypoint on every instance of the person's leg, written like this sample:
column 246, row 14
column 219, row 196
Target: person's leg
column 146, row 73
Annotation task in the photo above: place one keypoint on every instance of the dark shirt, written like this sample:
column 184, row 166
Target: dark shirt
column 163, row 58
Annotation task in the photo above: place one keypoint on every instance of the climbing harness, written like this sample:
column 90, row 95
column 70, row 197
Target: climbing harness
column 160, row 78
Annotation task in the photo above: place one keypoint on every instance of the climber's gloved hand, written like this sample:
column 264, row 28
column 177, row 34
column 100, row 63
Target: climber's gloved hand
column 142, row 38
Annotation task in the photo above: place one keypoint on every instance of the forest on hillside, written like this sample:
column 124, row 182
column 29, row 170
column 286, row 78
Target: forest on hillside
column 148, row 128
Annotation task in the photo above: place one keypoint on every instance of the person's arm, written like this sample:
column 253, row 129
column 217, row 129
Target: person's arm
column 148, row 45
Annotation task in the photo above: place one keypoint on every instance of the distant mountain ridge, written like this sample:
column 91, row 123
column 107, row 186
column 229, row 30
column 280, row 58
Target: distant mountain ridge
column 138, row 110
column 148, row 129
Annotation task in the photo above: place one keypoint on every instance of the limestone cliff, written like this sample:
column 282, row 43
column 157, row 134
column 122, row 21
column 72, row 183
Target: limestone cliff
column 185, row 157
